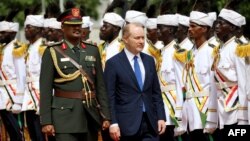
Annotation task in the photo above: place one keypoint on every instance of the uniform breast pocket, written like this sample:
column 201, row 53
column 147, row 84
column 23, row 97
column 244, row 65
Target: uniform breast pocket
column 91, row 67
column 90, row 64
column 203, row 74
column 228, row 70
column 66, row 67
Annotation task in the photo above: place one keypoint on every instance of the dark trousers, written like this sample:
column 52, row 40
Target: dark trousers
column 198, row 135
column 11, row 125
column 145, row 133
column 106, row 136
column 71, row 137
column 34, row 127
column 168, row 134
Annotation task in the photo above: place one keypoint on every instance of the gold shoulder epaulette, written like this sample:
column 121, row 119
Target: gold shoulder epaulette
column 181, row 55
column 122, row 45
column 19, row 49
column 42, row 49
column 243, row 50
column 215, row 50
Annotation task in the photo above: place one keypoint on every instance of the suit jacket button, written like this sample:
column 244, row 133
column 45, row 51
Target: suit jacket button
column 62, row 108
column 65, row 67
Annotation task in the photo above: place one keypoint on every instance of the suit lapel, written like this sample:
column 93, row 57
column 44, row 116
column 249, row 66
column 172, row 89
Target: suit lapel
column 128, row 68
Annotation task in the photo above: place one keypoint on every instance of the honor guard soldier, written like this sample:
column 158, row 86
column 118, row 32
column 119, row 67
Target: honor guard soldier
column 86, row 28
column 109, row 32
column 12, row 79
column 230, row 73
column 153, row 44
column 167, row 25
column 55, row 33
column 31, row 103
column 112, row 45
column 74, row 104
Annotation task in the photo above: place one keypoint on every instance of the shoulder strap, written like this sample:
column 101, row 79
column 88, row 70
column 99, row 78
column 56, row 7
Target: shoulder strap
column 76, row 65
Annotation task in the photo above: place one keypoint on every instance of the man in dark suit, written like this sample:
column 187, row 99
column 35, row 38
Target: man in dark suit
column 74, row 104
column 137, row 111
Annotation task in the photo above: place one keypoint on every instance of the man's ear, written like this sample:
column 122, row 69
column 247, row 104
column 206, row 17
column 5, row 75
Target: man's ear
column 204, row 29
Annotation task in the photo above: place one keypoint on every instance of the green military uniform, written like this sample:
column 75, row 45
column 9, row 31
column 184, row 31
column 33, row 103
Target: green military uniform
column 72, row 115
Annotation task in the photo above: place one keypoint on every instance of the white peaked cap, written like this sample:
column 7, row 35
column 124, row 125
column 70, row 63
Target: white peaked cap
column 46, row 22
column 54, row 24
column 232, row 17
column 183, row 20
column 213, row 16
column 9, row 26
column 86, row 22
column 133, row 16
column 34, row 20
column 168, row 19
column 201, row 18
column 151, row 23
column 113, row 19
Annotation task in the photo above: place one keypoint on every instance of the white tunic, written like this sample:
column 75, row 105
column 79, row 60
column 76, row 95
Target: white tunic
column 233, row 68
column 186, row 44
column 203, row 99
column 167, row 76
column 112, row 48
column 12, row 74
column 33, row 67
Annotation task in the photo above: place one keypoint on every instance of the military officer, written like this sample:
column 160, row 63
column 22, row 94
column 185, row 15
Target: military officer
column 74, row 104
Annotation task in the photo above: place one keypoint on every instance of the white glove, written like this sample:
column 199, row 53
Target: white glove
column 210, row 127
column 16, row 108
column 37, row 111
column 179, row 130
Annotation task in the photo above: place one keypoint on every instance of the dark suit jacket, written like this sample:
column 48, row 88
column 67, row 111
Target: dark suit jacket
column 70, row 115
column 126, row 98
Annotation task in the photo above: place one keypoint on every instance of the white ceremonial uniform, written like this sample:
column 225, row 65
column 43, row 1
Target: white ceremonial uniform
column 232, row 100
column 108, row 50
column 248, row 87
column 200, row 90
column 12, row 82
column 214, row 41
column 179, row 67
column 33, row 67
column 186, row 44
column 159, row 45
column 168, row 83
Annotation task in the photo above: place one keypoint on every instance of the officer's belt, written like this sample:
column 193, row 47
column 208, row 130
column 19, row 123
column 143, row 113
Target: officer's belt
column 74, row 95
column 168, row 88
column 190, row 94
column 222, row 85
column 7, row 82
